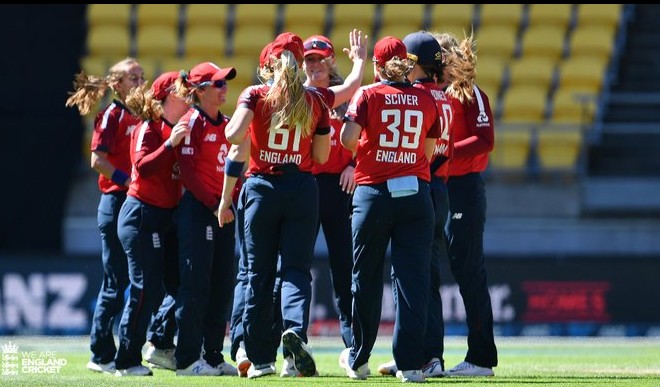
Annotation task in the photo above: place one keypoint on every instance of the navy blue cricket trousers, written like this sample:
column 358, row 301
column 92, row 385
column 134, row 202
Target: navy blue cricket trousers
column 110, row 300
column 163, row 326
column 142, row 231
column 407, row 224
column 281, row 215
column 207, row 267
column 335, row 218
column 465, row 230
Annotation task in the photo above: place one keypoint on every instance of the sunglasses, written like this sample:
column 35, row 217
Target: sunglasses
column 318, row 45
column 219, row 84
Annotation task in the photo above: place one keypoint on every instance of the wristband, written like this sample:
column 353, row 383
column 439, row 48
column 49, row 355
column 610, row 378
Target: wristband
column 168, row 144
column 233, row 168
column 119, row 177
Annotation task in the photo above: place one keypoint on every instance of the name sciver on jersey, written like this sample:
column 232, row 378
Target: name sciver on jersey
column 279, row 158
column 401, row 99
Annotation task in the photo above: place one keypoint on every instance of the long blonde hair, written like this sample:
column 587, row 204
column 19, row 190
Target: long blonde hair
column 287, row 96
column 395, row 69
column 143, row 104
column 461, row 63
column 89, row 89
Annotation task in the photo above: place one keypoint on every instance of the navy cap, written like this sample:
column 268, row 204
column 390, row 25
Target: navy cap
column 423, row 49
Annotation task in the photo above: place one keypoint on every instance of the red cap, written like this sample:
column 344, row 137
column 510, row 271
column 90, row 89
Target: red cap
column 264, row 57
column 387, row 48
column 206, row 72
column 288, row 41
column 318, row 44
column 161, row 86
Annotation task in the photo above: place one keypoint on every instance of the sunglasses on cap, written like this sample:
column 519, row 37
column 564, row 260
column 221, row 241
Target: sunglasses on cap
column 318, row 45
column 217, row 84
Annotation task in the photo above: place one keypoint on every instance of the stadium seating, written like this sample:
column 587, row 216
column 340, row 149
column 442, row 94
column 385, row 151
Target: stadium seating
column 545, row 41
column 497, row 40
column 583, row 71
column 592, row 40
column 263, row 16
column 491, row 71
column 305, row 19
column 531, row 71
column 157, row 14
column 349, row 16
column 205, row 40
column 157, row 41
column 573, row 105
column 512, row 149
column 108, row 14
column 451, row 18
column 500, row 15
column 248, row 40
column 599, row 14
column 410, row 16
column 524, row 104
column 559, row 15
column 108, row 41
column 215, row 15
column 558, row 147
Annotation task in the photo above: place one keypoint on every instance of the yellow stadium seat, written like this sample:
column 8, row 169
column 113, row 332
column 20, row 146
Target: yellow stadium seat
column 531, row 71
column 512, row 149
column 409, row 15
column 108, row 40
column 94, row 65
column 592, row 41
column 150, row 66
column 206, row 15
column 246, row 68
column 497, row 40
column 599, row 14
column 501, row 14
column 158, row 14
column 550, row 15
column 157, row 41
column 585, row 72
column 573, row 105
column 305, row 31
column 306, row 17
column 544, row 41
column 249, row 40
column 558, row 147
column 491, row 70
column 187, row 63
column 235, row 88
column 397, row 30
column 205, row 40
column 104, row 14
column 460, row 16
column 253, row 15
column 524, row 104
column 360, row 16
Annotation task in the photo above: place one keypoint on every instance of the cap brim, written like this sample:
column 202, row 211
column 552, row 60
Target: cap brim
column 323, row 53
column 224, row 74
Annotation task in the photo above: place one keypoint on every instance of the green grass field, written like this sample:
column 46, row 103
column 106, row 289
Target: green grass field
column 547, row 361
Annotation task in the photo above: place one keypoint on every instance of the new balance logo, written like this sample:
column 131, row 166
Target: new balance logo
column 458, row 215
column 211, row 137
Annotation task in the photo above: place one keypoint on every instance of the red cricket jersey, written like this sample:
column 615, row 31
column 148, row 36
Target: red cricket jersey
column 396, row 118
column 445, row 145
column 201, row 156
column 112, row 134
column 473, row 135
column 155, row 173
column 271, row 147
column 339, row 157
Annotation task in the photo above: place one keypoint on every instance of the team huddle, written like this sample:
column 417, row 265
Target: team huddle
column 184, row 187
